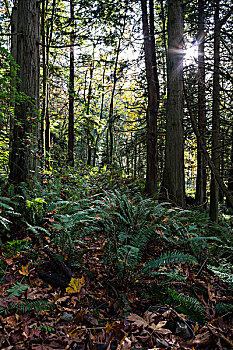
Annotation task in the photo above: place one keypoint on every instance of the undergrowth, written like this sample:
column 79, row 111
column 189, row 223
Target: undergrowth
column 140, row 238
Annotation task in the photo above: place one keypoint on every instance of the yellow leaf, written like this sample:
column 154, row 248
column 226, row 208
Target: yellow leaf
column 75, row 285
column 24, row 270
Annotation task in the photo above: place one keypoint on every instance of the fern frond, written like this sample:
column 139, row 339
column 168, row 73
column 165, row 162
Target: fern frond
column 188, row 302
column 169, row 258
column 222, row 308
column 27, row 305
column 17, row 290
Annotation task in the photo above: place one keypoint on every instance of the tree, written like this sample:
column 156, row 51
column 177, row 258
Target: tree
column 214, row 186
column 153, row 96
column 173, row 186
column 71, row 90
column 23, row 159
column 200, row 196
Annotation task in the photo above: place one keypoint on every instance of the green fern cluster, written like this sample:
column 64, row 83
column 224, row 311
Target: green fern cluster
column 23, row 305
column 27, row 305
column 222, row 308
column 224, row 271
column 169, row 258
column 17, row 290
column 188, row 303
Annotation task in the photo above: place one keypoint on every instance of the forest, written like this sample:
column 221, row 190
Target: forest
column 116, row 174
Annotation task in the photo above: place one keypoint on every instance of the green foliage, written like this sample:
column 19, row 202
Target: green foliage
column 224, row 271
column 27, row 305
column 222, row 308
column 17, row 290
column 34, row 208
column 11, row 248
column 188, row 304
column 7, row 211
column 169, row 258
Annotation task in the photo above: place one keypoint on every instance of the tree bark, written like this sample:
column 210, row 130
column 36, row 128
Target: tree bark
column 173, row 185
column 200, row 197
column 214, row 188
column 23, row 160
column 153, row 96
column 71, row 91
column 211, row 164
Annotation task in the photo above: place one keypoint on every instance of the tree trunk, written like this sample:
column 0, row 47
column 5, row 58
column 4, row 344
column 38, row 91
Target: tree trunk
column 153, row 96
column 173, row 185
column 200, row 197
column 214, row 188
column 71, row 91
column 23, row 160
column 230, row 179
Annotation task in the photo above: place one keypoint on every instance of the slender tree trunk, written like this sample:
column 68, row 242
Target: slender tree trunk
column 211, row 164
column 230, row 179
column 173, row 185
column 13, row 72
column 153, row 96
column 48, row 32
column 200, row 196
column 89, row 97
column 23, row 160
column 214, row 188
column 109, row 136
column 71, row 91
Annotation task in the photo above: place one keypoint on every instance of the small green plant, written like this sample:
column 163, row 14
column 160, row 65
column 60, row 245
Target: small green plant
column 34, row 208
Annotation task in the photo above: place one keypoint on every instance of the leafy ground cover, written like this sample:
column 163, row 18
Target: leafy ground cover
column 87, row 262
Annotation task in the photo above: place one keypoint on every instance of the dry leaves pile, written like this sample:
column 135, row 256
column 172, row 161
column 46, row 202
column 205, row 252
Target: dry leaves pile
column 91, row 313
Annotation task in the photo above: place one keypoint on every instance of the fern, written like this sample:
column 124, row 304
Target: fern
column 225, row 271
column 17, row 290
column 191, row 304
column 169, row 258
column 222, row 308
column 27, row 305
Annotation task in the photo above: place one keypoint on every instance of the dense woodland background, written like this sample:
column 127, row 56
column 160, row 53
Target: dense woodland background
column 116, row 162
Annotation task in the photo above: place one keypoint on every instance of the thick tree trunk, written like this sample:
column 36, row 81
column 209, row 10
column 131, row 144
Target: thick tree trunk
column 200, row 196
column 71, row 91
column 153, row 96
column 173, row 185
column 23, row 160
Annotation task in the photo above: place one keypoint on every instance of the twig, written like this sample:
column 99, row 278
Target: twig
column 202, row 267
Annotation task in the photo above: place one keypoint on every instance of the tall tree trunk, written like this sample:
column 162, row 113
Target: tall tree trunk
column 89, row 96
column 153, row 96
column 230, row 178
column 47, row 32
column 13, row 72
column 173, row 185
column 200, row 196
column 109, row 136
column 71, row 91
column 23, row 160
column 214, row 188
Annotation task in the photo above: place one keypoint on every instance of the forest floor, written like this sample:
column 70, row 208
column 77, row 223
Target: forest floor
column 88, row 291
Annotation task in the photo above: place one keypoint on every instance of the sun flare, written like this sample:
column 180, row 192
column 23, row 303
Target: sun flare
column 191, row 52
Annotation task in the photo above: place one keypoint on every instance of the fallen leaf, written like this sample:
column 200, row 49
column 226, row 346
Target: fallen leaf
column 75, row 285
